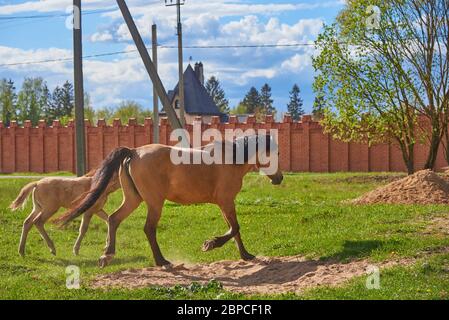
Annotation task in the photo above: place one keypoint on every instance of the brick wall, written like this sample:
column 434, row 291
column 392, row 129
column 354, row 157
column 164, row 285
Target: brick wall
column 303, row 146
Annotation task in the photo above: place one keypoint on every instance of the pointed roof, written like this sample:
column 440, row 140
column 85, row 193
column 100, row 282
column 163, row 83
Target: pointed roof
column 196, row 99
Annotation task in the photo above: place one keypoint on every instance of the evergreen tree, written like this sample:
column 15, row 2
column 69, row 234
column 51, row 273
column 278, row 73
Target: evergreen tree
column 8, row 99
column 213, row 87
column 252, row 102
column 266, row 101
column 294, row 107
column 61, row 104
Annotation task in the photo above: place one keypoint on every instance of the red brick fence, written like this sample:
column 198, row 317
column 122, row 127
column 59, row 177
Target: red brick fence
column 303, row 146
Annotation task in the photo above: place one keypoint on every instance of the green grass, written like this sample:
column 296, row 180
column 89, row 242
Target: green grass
column 305, row 215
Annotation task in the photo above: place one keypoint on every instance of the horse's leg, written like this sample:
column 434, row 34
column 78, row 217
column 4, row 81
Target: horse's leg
column 39, row 221
column 102, row 215
column 114, row 221
column 27, row 225
column 83, row 229
column 229, row 214
column 153, row 217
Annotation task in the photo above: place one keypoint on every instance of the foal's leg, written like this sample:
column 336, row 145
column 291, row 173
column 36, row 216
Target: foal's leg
column 153, row 217
column 229, row 213
column 83, row 229
column 27, row 225
column 39, row 221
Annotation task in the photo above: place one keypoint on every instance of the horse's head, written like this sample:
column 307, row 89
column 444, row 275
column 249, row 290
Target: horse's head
column 263, row 152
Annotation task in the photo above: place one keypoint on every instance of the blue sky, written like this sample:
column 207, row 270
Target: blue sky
column 112, row 79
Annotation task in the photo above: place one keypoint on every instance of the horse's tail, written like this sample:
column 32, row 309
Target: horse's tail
column 104, row 174
column 23, row 196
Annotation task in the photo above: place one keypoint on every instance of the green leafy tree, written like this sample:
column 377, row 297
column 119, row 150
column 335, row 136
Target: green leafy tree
column 32, row 100
column 266, row 101
column 105, row 113
column 294, row 107
column 213, row 87
column 379, row 69
column 8, row 99
column 252, row 102
column 131, row 109
column 239, row 109
column 318, row 107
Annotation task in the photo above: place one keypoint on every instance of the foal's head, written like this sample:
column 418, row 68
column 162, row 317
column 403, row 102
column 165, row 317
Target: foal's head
column 263, row 152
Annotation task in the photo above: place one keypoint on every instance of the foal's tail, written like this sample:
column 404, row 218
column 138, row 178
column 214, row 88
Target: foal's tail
column 23, row 196
column 100, row 182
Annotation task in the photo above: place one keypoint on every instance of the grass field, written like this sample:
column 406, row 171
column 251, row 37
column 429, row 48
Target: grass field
column 305, row 216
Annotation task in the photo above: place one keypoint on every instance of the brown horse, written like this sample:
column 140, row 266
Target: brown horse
column 149, row 174
column 51, row 193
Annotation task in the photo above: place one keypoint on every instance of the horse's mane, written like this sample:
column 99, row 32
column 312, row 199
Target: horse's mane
column 243, row 146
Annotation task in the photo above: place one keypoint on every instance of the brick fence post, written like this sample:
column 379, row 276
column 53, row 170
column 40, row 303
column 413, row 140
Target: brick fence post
column 27, row 128
column 132, row 123
column 41, row 138
column 148, row 125
column 163, row 131
column 12, row 129
column 101, row 124
column 306, row 140
column 117, row 124
column 56, row 125
column 285, row 135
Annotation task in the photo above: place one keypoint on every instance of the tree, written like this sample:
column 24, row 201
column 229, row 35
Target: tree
column 214, row 89
column 131, row 109
column 318, row 107
column 32, row 100
column 8, row 99
column 239, row 109
column 252, row 102
column 294, row 107
column 266, row 101
column 61, row 104
column 378, row 72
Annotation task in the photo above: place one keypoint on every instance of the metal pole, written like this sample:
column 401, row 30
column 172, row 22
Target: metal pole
column 181, row 67
column 155, row 97
column 79, row 89
column 149, row 65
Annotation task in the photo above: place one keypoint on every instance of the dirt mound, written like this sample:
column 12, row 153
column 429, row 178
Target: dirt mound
column 423, row 187
column 261, row 276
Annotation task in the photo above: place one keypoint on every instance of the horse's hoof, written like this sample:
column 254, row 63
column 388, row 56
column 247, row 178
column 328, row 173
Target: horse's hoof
column 53, row 252
column 105, row 260
column 166, row 265
column 247, row 256
column 22, row 253
column 208, row 245
column 76, row 252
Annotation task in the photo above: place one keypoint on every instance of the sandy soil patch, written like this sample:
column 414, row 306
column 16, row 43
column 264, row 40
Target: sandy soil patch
column 423, row 187
column 261, row 276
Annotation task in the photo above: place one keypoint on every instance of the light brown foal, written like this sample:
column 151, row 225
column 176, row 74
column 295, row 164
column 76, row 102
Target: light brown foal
column 50, row 194
column 148, row 174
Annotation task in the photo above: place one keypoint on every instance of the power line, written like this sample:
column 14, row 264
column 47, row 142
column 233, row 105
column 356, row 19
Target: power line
column 54, row 15
column 105, row 54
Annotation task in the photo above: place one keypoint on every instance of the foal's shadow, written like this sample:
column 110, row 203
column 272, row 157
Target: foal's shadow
column 93, row 262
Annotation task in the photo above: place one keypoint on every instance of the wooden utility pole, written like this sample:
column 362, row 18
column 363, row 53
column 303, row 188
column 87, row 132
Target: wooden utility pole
column 178, row 5
column 149, row 66
column 155, row 97
column 79, row 89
